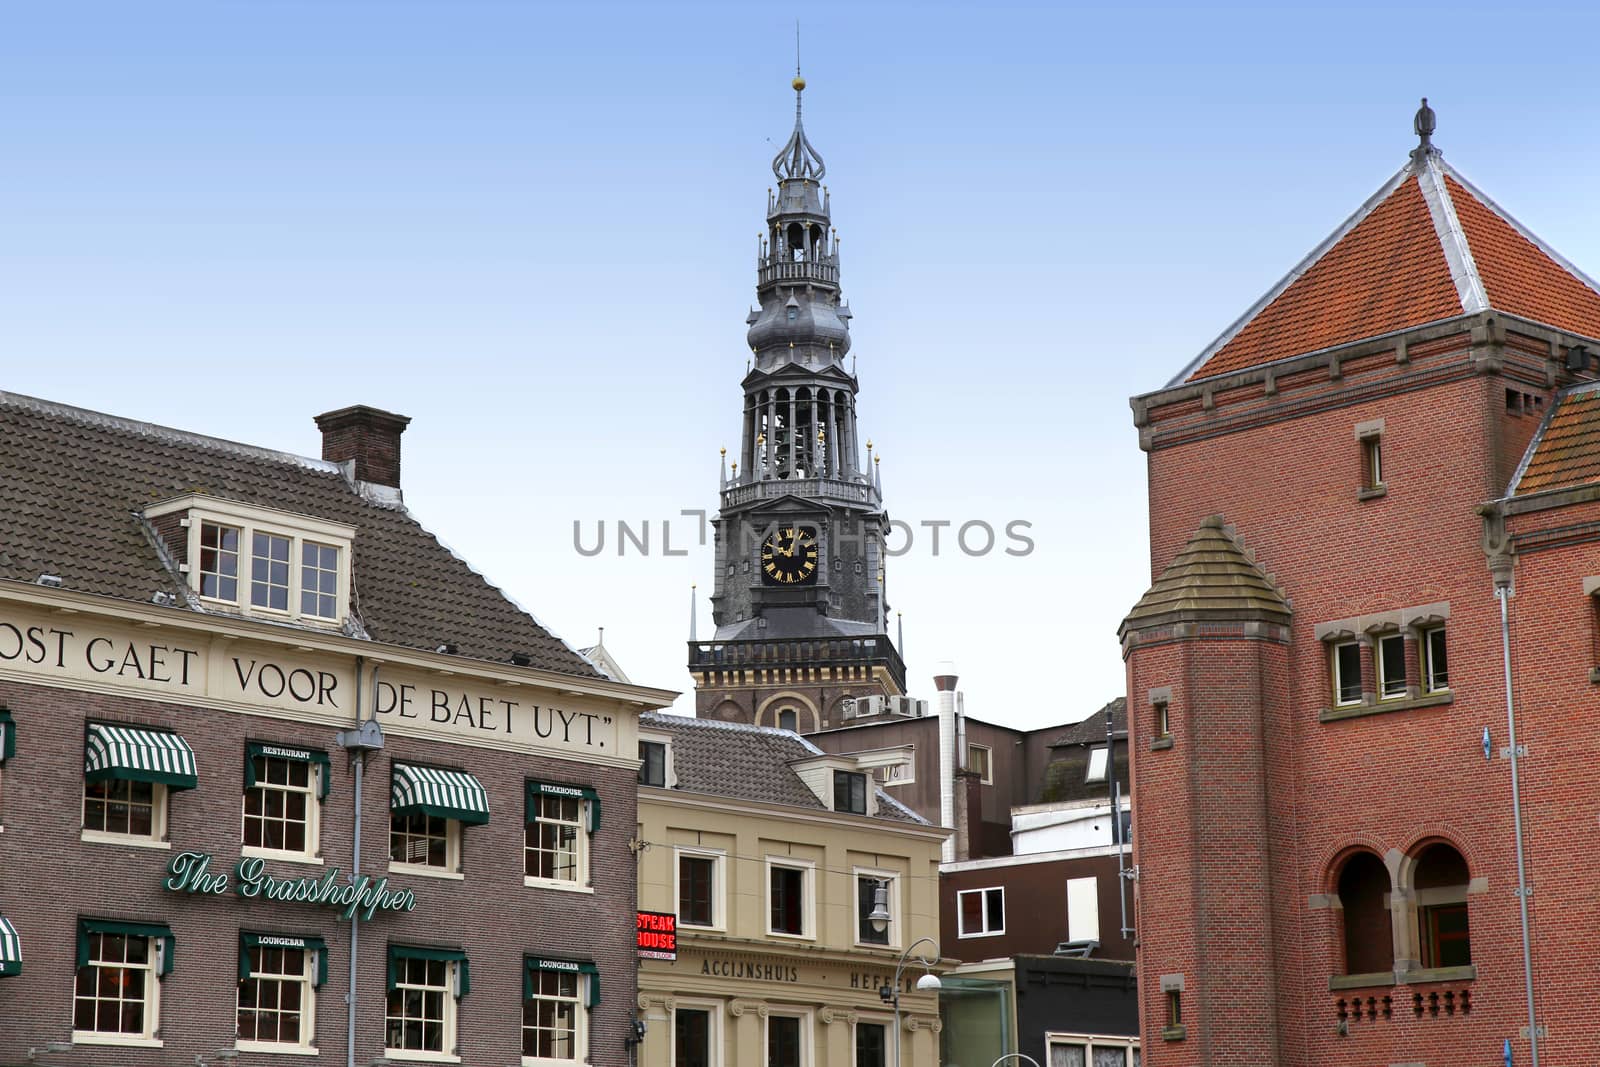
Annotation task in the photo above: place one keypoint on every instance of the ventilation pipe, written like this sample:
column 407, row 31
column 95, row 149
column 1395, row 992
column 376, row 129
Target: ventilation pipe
column 945, row 682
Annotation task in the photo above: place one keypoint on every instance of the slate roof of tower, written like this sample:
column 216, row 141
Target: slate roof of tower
column 1213, row 577
column 73, row 482
column 1565, row 451
column 1427, row 246
column 745, row 762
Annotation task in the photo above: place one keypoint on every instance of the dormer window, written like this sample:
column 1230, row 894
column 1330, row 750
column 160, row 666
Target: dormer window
column 259, row 560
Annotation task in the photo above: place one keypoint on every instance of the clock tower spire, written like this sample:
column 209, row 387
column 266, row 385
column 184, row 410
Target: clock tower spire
column 799, row 597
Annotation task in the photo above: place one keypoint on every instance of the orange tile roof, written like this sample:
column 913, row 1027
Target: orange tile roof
column 1386, row 274
column 1519, row 276
column 1431, row 248
column 1567, row 450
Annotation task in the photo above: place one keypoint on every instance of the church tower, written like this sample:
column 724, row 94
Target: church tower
column 799, row 598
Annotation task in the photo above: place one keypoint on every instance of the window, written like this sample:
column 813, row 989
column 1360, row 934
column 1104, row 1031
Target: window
column 699, row 890
column 123, row 808
column 1174, row 1009
column 116, row 997
column 1163, row 721
column 298, row 566
column 551, row 1016
column 693, row 1038
column 787, row 904
column 1364, row 908
column 1391, row 666
column 788, row 719
column 219, row 562
column 978, row 761
column 420, row 1014
column 785, row 1041
column 1098, row 758
column 981, row 912
column 652, row 763
column 281, row 799
column 850, row 792
column 277, row 1002
column 1083, row 909
column 1083, row 1050
column 1441, row 879
column 1435, row 665
column 552, row 843
column 867, row 885
column 417, row 839
column 872, row 1045
column 1372, row 462
column 1346, row 657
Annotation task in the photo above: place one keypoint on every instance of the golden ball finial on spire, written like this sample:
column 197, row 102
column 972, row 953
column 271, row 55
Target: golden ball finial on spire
column 723, row 450
column 799, row 84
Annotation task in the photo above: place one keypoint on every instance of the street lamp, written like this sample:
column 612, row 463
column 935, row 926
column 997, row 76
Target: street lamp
column 929, row 982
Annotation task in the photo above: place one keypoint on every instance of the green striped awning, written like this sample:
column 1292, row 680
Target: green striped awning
column 303, row 943
column 441, row 793
column 417, row 952
column 138, row 754
column 8, row 734
column 534, row 964
column 287, row 752
column 159, row 932
column 556, row 789
column 10, row 949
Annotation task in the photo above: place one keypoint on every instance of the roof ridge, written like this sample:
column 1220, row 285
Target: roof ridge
column 1510, row 220
column 102, row 420
column 1311, row 259
column 1452, row 238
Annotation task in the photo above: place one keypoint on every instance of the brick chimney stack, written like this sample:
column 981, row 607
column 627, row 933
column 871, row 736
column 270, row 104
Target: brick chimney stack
column 369, row 437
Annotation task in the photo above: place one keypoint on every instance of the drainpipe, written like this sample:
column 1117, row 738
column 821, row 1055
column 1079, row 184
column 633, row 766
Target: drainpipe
column 945, row 682
column 1116, row 815
column 1502, row 589
column 365, row 738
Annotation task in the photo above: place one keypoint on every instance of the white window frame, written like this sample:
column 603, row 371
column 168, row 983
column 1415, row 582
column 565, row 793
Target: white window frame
column 1338, row 677
column 308, row 1013
column 452, row 1004
column 580, row 1033
column 1130, row 1045
column 1099, row 763
column 712, row 1008
column 808, row 898
column 579, row 882
column 152, row 1003
column 313, row 790
column 807, row 1037
column 1425, row 658
column 157, row 838
column 719, row 885
column 987, row 775
column 1080, row 890
column 895, row 910
column 250, row 519
column 452, row 853
column 885, row 1021
column 1381, row 661
column 961, row 926
column 669, row 777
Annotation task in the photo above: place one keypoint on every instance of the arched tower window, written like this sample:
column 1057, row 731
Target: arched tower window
column 1440, row 883
column 788, row 719
column 1368, row 928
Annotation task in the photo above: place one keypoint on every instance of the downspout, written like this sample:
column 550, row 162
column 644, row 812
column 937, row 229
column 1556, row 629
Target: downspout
column 1502, row 590
column 1116, row 815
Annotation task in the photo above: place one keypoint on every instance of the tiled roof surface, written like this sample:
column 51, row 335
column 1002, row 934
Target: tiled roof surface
column 1388, row 269
column 1066, row 778
column 1092, row 730
column 1386, row 274
column 1517, row 274
column 744, row 762
column 73, row 482
column 1212, row 577
column 1567, row 451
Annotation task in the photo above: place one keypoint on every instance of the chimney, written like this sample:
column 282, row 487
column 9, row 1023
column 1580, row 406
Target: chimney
column 369, row 437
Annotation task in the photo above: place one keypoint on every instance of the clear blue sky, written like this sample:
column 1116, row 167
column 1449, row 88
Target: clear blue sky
column 532, row 229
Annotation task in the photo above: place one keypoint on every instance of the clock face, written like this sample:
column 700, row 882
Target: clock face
column 789, row 556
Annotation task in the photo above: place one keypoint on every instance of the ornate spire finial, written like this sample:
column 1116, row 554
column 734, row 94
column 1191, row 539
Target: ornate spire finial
column 798, row 159
column 1423, row 125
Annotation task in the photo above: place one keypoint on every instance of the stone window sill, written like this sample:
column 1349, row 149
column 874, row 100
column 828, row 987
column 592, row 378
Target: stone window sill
column 1360, row 981
column 1383, row 707
column 1161, row 744
column 1440, row 974
column 1174, row 1033
column 1385, row 979
column 1372, row 493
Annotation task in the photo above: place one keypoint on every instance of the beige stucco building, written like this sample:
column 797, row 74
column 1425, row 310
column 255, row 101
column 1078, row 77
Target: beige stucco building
column 770, row 854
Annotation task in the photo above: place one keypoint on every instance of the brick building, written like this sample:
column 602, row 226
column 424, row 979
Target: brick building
column 222, row 667
column 1340, row 486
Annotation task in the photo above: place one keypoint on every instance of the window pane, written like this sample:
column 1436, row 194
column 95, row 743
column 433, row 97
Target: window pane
column 783, row 1041
column 995, row 905
column 1347, row 673
column 1392, row 665
column 866, row 899
column 691, row 1038
column 1067, row 1056
column 871, row 1045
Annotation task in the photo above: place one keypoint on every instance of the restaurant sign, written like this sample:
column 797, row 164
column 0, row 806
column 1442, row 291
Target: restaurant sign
column 190, row 872
column 658, row 935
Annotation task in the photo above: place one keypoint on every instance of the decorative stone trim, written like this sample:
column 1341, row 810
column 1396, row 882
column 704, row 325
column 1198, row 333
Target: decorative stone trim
column 1174, row 1033
column 1161, row 744
column 1361, row 981
column 1357, row 711
column 1375, row 493
column 1400, row 619
column 1439, row 974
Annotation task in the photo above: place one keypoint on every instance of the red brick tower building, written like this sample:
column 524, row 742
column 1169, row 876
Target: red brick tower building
column 1339, row 486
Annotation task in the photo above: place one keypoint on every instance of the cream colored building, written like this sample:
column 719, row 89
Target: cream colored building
column 770, row 853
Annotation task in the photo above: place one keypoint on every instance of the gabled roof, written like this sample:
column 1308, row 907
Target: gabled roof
column 1565, row 452
column 73, row 485
column 1213, row 578
column 1091, row 730
column 1427, row 246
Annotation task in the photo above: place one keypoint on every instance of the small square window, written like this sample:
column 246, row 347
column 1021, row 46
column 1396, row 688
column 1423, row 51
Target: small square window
column 1435, row 664
column 124, row 808
column 850, row 792
column 1346, row 656
column 652, row 763
column 981, row 912
column 269, row 571
column 281, row 810
column 979, row 762
column 1391, row 666
column 1099, row 758
column 417, row 839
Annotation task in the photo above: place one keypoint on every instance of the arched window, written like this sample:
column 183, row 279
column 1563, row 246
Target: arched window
column 1368, row 930
column 788, row 719
column 1440, row 883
